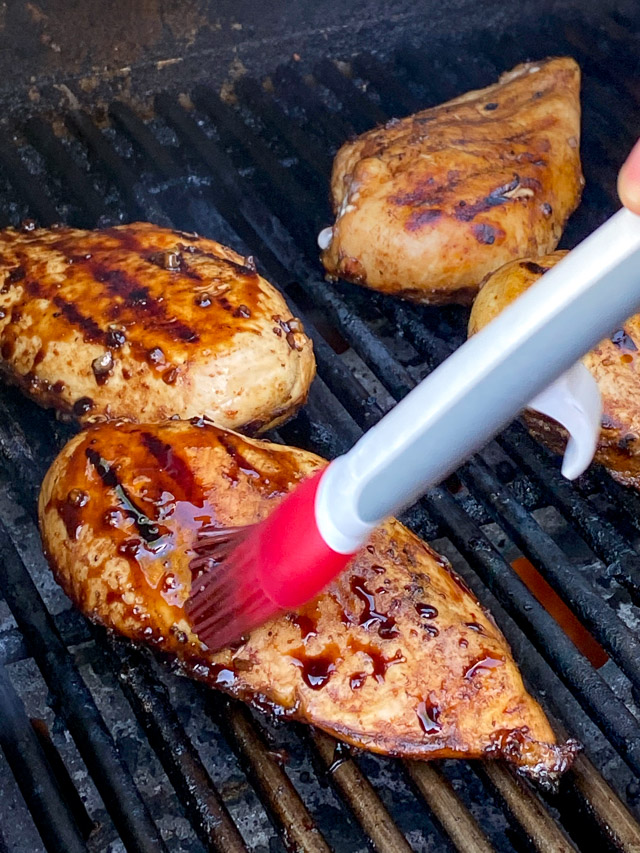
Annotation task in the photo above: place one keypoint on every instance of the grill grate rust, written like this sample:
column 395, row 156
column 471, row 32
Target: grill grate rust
column 260, row 163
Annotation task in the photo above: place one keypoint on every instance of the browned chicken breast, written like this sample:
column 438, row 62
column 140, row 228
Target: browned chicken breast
column 145, row 323
column 428, row 205
column 614, row 364
column 397, row 656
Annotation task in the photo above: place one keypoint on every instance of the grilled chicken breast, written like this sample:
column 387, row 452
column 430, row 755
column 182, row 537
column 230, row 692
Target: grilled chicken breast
column 397, row 656
column 614, row 364
column 145, row 323
column 427, row 205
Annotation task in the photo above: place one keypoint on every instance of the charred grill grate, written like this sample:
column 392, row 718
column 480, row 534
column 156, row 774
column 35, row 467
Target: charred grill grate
column 131, row 758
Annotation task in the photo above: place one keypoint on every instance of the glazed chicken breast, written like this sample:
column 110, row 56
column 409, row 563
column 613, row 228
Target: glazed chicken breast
column 397, row 656
column 427, row 205
column 145, row 323
column 614, row 364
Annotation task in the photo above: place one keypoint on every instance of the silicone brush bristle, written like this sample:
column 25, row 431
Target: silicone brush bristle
column 227, row 599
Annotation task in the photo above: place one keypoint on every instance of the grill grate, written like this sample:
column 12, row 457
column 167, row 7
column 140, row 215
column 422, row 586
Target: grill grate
column 254, row 173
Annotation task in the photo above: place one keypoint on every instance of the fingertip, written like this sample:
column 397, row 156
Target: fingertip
column 629, row 180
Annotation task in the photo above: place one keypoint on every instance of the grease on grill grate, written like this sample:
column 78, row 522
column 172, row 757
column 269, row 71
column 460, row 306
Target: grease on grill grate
column 161, row 763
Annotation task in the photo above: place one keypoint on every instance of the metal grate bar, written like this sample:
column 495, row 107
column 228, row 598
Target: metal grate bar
column 73, row 181
column 116, row 787
column 622, row 559
column 292, row 89
column 289, row 814
column 37, row 784
column 150, row 702
column 157, row 156
column 70, row 625
column 450, row 812
column 395, row 97
column 291, row 198
column 111, row 164
column 610, row 814
column 361, row 798
column 277, row 120
column 541, row 831
column 26, row 185
column 364, row 112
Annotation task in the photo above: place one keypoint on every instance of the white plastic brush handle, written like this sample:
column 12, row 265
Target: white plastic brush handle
column 459, row 407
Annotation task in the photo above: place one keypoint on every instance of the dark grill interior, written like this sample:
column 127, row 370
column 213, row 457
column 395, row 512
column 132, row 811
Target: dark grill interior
column 102, row 748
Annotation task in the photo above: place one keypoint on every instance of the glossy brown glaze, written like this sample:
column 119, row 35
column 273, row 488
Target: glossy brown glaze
column 145, row 323
column 614, row 364
column 426, row 206
column 124, row 510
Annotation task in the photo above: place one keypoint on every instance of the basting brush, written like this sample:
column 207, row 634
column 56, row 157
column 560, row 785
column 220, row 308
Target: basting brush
column 253, row 573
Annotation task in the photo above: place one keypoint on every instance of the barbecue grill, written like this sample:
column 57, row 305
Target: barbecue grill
column 102, row 747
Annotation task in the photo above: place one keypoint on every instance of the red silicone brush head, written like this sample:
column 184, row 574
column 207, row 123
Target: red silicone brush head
column 253, row 573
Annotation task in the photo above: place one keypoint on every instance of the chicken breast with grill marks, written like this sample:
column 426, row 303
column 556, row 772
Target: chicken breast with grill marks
column 396, row 656
column 146, row 323
column 427, row 205
column 614, row 364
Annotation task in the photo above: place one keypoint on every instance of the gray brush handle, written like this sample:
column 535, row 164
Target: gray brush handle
column 462, row 404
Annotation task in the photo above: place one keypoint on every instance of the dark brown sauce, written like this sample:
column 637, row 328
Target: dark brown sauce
column 82, row 406
column 239, row 269
column 146, row 527
column 370, row 616
column 475, row 626
column 485, row 663
column 70, row 511
column 307, row 622
column 170, row 376
column 427, row 611
column 91, row 331
column 115, row 338
column 15, row 275
column 317, row 670
column 534, row 268
column 428, row 716
column 380, row 664
column 357, row 680
column 240, row 462
column 183, row 483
